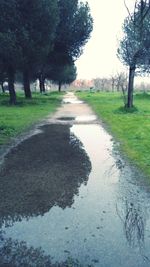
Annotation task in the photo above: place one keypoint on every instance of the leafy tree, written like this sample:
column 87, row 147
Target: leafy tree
column 3, row 77
column 134, row 48
column 9, row 48
column 55, row 62
column 63, row 74
column 74, row 28
column 38, row 20
column 72, row 33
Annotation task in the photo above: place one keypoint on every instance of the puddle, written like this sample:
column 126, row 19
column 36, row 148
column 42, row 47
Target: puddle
column 72, row 100
column 66, row 118
column 48, row 180
column 70, row 200
column 88, row 118
column 79, row 119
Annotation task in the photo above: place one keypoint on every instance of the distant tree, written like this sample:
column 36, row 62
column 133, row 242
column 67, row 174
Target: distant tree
column 134, row 50
column 55, row 63
column 121, row 81
column 102, row 84
column 113, row 82
column 97, row 83
column 63, row 74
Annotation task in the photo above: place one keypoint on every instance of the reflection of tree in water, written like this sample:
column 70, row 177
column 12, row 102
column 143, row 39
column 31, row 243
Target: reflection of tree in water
column 134, row 224
column 45, row 170
column 17, row 254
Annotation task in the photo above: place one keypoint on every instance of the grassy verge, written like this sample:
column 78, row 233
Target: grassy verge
column 15, row 119
column 132, row 129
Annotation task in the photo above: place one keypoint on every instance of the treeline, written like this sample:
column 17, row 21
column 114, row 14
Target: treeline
column 41, row 39
column 117, row 82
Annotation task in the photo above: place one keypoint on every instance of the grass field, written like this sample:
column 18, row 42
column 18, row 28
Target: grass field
column 15, row 119
column 132, row 129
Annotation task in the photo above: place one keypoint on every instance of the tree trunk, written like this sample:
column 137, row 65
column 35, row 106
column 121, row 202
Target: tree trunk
column 26, row 83
column 113, row 86
column 131, row 86
column 11, row 88
column 42, row 83
column 59, row 87
column 3, row 89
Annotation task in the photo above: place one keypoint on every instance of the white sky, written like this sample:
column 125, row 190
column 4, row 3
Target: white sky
column 99, row 58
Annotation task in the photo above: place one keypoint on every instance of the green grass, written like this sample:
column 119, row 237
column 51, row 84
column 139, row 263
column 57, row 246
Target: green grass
column 132, row 128
column 15, row 119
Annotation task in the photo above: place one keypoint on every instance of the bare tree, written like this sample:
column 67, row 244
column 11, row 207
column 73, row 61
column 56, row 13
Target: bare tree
column 113, row 82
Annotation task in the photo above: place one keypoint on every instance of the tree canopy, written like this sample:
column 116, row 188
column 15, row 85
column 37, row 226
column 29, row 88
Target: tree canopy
column 33, row 34
column 74, row 27
column 63, row 74
column 134, row 50
column 38, row 21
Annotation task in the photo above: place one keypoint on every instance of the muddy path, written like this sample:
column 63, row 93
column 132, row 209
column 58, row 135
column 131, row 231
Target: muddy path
column 68, row 199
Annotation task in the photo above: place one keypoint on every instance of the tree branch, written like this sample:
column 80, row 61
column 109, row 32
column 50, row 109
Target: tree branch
column 127, row 9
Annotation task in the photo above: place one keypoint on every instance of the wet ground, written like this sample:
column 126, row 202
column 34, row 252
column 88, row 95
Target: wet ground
column 68, row 199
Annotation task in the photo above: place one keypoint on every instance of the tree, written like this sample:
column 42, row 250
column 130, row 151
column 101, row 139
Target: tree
column 38, row 21
column 9, row 47
column 74, row 28
column 3, row 78
column 63, row 74
column 134, row 50
column 113, row 82
column 97, row 83
column 72, row 33
column 121, row 81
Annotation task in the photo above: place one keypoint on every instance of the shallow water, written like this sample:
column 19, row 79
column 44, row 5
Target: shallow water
column 87, row 118
column 99, row 215
column 70, row 98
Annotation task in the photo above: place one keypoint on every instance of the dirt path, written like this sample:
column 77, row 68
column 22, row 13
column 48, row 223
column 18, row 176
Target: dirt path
column 68, row 199
column 74, row 110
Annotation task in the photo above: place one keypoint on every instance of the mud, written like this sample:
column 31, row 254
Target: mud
column 67, row 198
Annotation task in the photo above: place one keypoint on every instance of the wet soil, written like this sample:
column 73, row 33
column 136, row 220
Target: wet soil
column 67, row 198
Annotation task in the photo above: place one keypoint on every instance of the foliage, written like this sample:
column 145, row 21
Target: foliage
column 9, row 21
column 38, row 21
column 63, row 74
column 33, row 34
column 72, row 33
column 134, row 49
column 131, row 129
column 135, row 46
column 74, row 27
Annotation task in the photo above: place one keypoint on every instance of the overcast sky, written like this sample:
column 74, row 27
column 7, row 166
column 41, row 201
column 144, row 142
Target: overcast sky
column 99, row 58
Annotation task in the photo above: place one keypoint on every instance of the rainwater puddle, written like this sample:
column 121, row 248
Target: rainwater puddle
column 86, row 118
column 66, row 118
column 72, row 100
column 93, row 214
